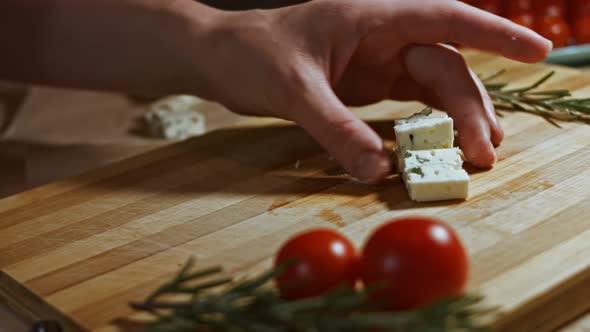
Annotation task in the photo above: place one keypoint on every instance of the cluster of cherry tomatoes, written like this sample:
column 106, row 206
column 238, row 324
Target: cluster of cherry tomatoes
column 562, row 21
column 414, row 261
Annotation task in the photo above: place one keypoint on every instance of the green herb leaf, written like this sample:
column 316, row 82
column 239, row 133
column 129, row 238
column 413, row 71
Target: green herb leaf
column 550, row 104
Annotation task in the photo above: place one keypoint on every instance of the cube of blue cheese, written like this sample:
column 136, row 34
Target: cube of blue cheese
column 416, row 158
column 436, row 182
column 424, row 133
column 176, row 118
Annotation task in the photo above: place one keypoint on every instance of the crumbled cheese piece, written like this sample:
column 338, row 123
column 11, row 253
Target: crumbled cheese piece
column 175, row 118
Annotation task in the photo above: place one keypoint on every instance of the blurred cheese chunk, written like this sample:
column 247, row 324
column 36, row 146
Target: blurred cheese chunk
column 435, row 182
column 424, row 133
column 175, row 118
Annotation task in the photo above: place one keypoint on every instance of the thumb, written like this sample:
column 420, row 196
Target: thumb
column 347, row 138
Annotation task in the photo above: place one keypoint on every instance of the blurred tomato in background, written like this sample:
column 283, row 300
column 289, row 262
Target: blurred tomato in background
column 579, row 8
column 554, row 28
column 526, row 19
column 582, row 30
column 519, row 7
column 552, row 8
column 564, row 22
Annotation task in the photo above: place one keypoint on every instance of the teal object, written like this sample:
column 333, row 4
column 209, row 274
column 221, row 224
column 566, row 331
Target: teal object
column 570, row 56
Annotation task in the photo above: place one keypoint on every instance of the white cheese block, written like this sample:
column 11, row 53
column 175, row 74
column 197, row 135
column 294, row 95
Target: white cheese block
column 436, row 182
column 416, row 158
column 424, row 133
column 176, row 103
column 176, row 118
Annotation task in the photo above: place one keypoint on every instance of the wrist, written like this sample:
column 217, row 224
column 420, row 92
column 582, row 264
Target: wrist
column 185, row 35
column 225, row 48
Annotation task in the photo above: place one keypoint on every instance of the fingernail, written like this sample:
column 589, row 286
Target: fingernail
column 491, row 149
column 372, row 166
column 537, row 35
column 490, row 159
column 495, row 156
column 549, row 43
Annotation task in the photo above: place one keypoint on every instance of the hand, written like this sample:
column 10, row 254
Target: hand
column 305, row 62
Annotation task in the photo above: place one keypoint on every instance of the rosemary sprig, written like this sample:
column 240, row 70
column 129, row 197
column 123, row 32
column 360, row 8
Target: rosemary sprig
column 550, row 104
column 255, row 305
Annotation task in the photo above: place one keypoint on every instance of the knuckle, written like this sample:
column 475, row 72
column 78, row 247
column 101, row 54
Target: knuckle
column 446, row 17
column 457, row 62
column 347, row 127
column 454, row 62
column 337, row 17
column 449, row 64
column 433, row 18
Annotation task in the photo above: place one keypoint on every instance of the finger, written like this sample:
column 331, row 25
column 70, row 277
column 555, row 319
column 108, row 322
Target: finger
column 443, row 21
column 347, row 138
column 408, row 89
column 444, row 70
column 405, row 88
column 496, row 131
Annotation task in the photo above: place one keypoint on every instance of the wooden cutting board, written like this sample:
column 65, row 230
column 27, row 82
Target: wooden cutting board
column 79, row 250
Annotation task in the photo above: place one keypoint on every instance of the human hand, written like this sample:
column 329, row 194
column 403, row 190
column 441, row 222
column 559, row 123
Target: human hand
column 305, row 63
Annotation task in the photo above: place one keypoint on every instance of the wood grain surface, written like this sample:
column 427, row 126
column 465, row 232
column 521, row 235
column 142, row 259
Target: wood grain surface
column 89, row 245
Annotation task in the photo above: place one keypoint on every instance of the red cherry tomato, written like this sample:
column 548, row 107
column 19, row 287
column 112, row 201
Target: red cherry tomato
column 580, row 8
column 416, row 261
column 525, row 19
column 555, row 29
column 517, row 7
column 582, row 30
column 550, row 8
column 322, row 260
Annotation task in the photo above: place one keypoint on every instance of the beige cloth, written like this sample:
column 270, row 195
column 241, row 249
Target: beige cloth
column 11, row 96
column 47, row 134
